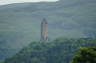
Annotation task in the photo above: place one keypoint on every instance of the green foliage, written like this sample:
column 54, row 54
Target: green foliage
column 86, row 55
column 58, row 51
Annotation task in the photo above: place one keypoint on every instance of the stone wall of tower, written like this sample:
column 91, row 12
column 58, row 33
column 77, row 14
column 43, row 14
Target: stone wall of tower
column 44, row 30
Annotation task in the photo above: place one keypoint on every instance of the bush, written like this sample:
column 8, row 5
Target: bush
column 86, row 55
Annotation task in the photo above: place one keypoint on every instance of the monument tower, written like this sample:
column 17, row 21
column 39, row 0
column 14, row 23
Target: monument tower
column 44, row 30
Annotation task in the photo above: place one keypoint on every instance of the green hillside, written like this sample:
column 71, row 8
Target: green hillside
column 58, row 51
column 20, row 22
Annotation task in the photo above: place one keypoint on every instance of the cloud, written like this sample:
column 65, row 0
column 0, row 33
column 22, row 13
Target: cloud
column 4, row 2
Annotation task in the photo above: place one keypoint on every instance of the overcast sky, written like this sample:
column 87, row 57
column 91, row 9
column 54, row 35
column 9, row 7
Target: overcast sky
column 4, row 2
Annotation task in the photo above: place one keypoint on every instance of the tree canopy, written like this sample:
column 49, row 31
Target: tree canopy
column 58, row 51
column 86, row 55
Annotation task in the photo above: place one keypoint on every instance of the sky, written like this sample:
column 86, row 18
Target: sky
column 4, row 2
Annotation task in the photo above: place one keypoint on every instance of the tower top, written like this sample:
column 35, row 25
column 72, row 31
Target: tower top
column 44, row 21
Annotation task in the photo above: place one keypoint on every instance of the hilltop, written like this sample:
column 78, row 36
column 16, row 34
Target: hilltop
column 58, row 51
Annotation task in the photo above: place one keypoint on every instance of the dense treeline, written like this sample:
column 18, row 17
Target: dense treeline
column 58, row 51
column 86, row 55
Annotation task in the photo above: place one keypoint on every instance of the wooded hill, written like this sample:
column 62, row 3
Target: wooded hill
column 58, row 51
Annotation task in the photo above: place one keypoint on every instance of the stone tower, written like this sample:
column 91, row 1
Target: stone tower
column 44, row 30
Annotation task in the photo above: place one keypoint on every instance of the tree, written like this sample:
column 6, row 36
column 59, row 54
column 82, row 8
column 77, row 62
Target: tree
column 86, row 55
